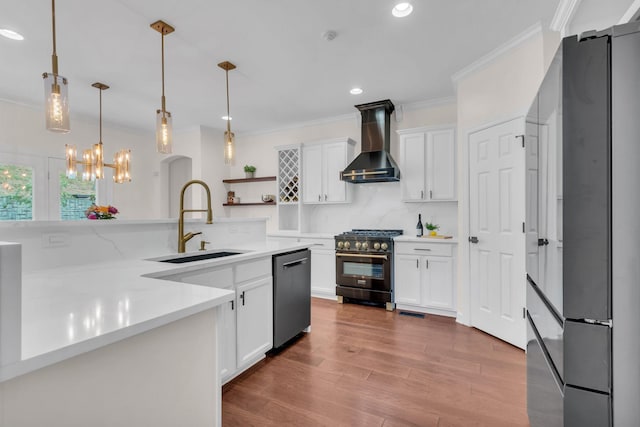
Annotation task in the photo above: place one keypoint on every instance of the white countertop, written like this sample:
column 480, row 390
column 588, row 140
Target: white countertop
column 71, row 310
column 424, row 239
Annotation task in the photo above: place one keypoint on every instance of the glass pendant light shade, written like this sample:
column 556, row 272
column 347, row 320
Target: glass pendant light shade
column 122, row 165
column 164, row 132
column 88, row 173
column 98, row 160
column 229, row 139
column 71, row 153
column 56, row 103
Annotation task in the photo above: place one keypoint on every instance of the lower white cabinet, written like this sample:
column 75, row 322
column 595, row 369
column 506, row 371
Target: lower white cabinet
column 424, row 277
column 323, row 263
column 254, row 321
column 227, row 339
column 246, row 322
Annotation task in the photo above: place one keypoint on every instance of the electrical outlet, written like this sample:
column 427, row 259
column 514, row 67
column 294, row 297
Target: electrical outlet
column 56, row 240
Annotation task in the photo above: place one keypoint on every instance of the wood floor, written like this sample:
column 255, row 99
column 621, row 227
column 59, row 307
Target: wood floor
column 364, row 366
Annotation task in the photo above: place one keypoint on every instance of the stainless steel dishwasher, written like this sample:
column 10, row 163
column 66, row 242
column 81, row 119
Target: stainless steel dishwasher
column 291, row 295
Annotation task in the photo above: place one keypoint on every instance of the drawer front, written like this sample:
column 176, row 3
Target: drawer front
column 253, row 269
column 320, row 243
column 220, row 278
column 435, row 249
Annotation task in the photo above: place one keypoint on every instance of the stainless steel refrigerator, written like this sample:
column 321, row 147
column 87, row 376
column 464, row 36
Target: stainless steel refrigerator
column 583, row 235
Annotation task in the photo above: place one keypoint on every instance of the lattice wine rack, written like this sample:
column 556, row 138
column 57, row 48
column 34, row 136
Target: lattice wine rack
column 288, row 174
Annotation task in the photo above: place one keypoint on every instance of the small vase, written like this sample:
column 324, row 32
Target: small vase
column 249, row 174
column 433, row 233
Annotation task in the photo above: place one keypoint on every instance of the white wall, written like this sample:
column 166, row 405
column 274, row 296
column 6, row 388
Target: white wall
column 375, row 205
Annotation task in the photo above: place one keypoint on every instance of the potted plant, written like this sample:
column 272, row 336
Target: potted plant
column 249, row 171
column 432, row 228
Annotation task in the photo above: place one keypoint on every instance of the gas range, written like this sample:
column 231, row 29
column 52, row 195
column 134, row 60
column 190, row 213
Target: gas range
column 364, row 266
column 363, row 240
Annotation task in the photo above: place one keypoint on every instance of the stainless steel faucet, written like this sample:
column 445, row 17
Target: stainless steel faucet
column 184, row 238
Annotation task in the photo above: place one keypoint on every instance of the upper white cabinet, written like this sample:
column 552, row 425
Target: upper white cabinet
column 428, row 164
column 322, row 163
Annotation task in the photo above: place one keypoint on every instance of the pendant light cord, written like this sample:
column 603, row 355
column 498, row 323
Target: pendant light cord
column 228, row 115
column 101, row 116
column 54, row 56
column 164, row 108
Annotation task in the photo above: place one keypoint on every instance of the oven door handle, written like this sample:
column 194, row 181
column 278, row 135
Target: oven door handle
column 384, row 257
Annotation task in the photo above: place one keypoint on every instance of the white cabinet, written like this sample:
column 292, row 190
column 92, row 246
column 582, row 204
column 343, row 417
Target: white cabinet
column 428, row 164
column 323, row 263
column 323, row 267
column 245, row 331
column 322, row 163
column 424, row 277
column 254, row 321
column 227, row 339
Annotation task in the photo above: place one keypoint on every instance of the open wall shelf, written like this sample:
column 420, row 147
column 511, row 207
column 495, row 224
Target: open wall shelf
column 250, row 204
column 241, row 180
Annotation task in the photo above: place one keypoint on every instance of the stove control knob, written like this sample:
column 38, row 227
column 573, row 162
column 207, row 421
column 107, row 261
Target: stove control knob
column 376, row 246
column 365, row 245
column 347, row 245
column 384, row 246
column 340, row 245
column 358, row 245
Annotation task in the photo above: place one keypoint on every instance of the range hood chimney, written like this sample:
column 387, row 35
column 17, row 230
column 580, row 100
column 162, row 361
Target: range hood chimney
column 374, row 163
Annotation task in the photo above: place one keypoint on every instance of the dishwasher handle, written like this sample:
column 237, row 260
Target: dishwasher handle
column 294, row 263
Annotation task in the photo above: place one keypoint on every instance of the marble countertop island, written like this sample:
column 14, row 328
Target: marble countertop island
column 71, row 310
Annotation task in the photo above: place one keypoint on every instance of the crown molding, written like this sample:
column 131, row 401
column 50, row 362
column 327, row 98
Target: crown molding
column 632, row 13
column 564, row 13
column 496, row 53
column 429, row 103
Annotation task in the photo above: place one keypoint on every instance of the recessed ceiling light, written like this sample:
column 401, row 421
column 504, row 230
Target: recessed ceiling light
column 10, row 34
column 226, row 118
column 355, row 91
column 402, row 9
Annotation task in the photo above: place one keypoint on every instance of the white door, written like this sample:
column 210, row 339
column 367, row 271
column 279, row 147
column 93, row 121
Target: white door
column 312, row 170
column 254, row 321
column 497, row 211
column 439, row 282
column 412, row 158
column 323, row 273
column 335, row 160
column 441, row 165
column 408, row 283
column 227, row 340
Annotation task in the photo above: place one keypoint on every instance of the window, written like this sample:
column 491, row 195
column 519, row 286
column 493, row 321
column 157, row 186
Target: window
column 16, row 192
column 35, row 188
column 75, row 197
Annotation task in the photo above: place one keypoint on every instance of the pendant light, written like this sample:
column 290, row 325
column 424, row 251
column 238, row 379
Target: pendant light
column 55, row 89
column 164, row 131
column 93, row 158
column 229, row 137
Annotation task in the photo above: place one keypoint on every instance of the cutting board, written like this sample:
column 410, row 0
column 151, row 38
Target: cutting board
column 438, row 236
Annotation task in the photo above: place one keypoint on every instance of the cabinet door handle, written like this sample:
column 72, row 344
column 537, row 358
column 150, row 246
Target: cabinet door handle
column 422, row 194
column 242, row 297
column 417, row 263
column 422, row 249
column 427, row 262
column 325, row 197
column 232, row 305
column 430, row 194
column 319, row 198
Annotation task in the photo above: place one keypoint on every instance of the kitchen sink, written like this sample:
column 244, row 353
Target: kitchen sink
column 198, row 257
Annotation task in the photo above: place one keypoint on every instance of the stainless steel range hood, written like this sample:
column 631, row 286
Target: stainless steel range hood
column 374, row 163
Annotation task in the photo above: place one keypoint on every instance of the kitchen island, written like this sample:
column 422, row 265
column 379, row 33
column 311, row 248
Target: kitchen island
column 117, row 342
